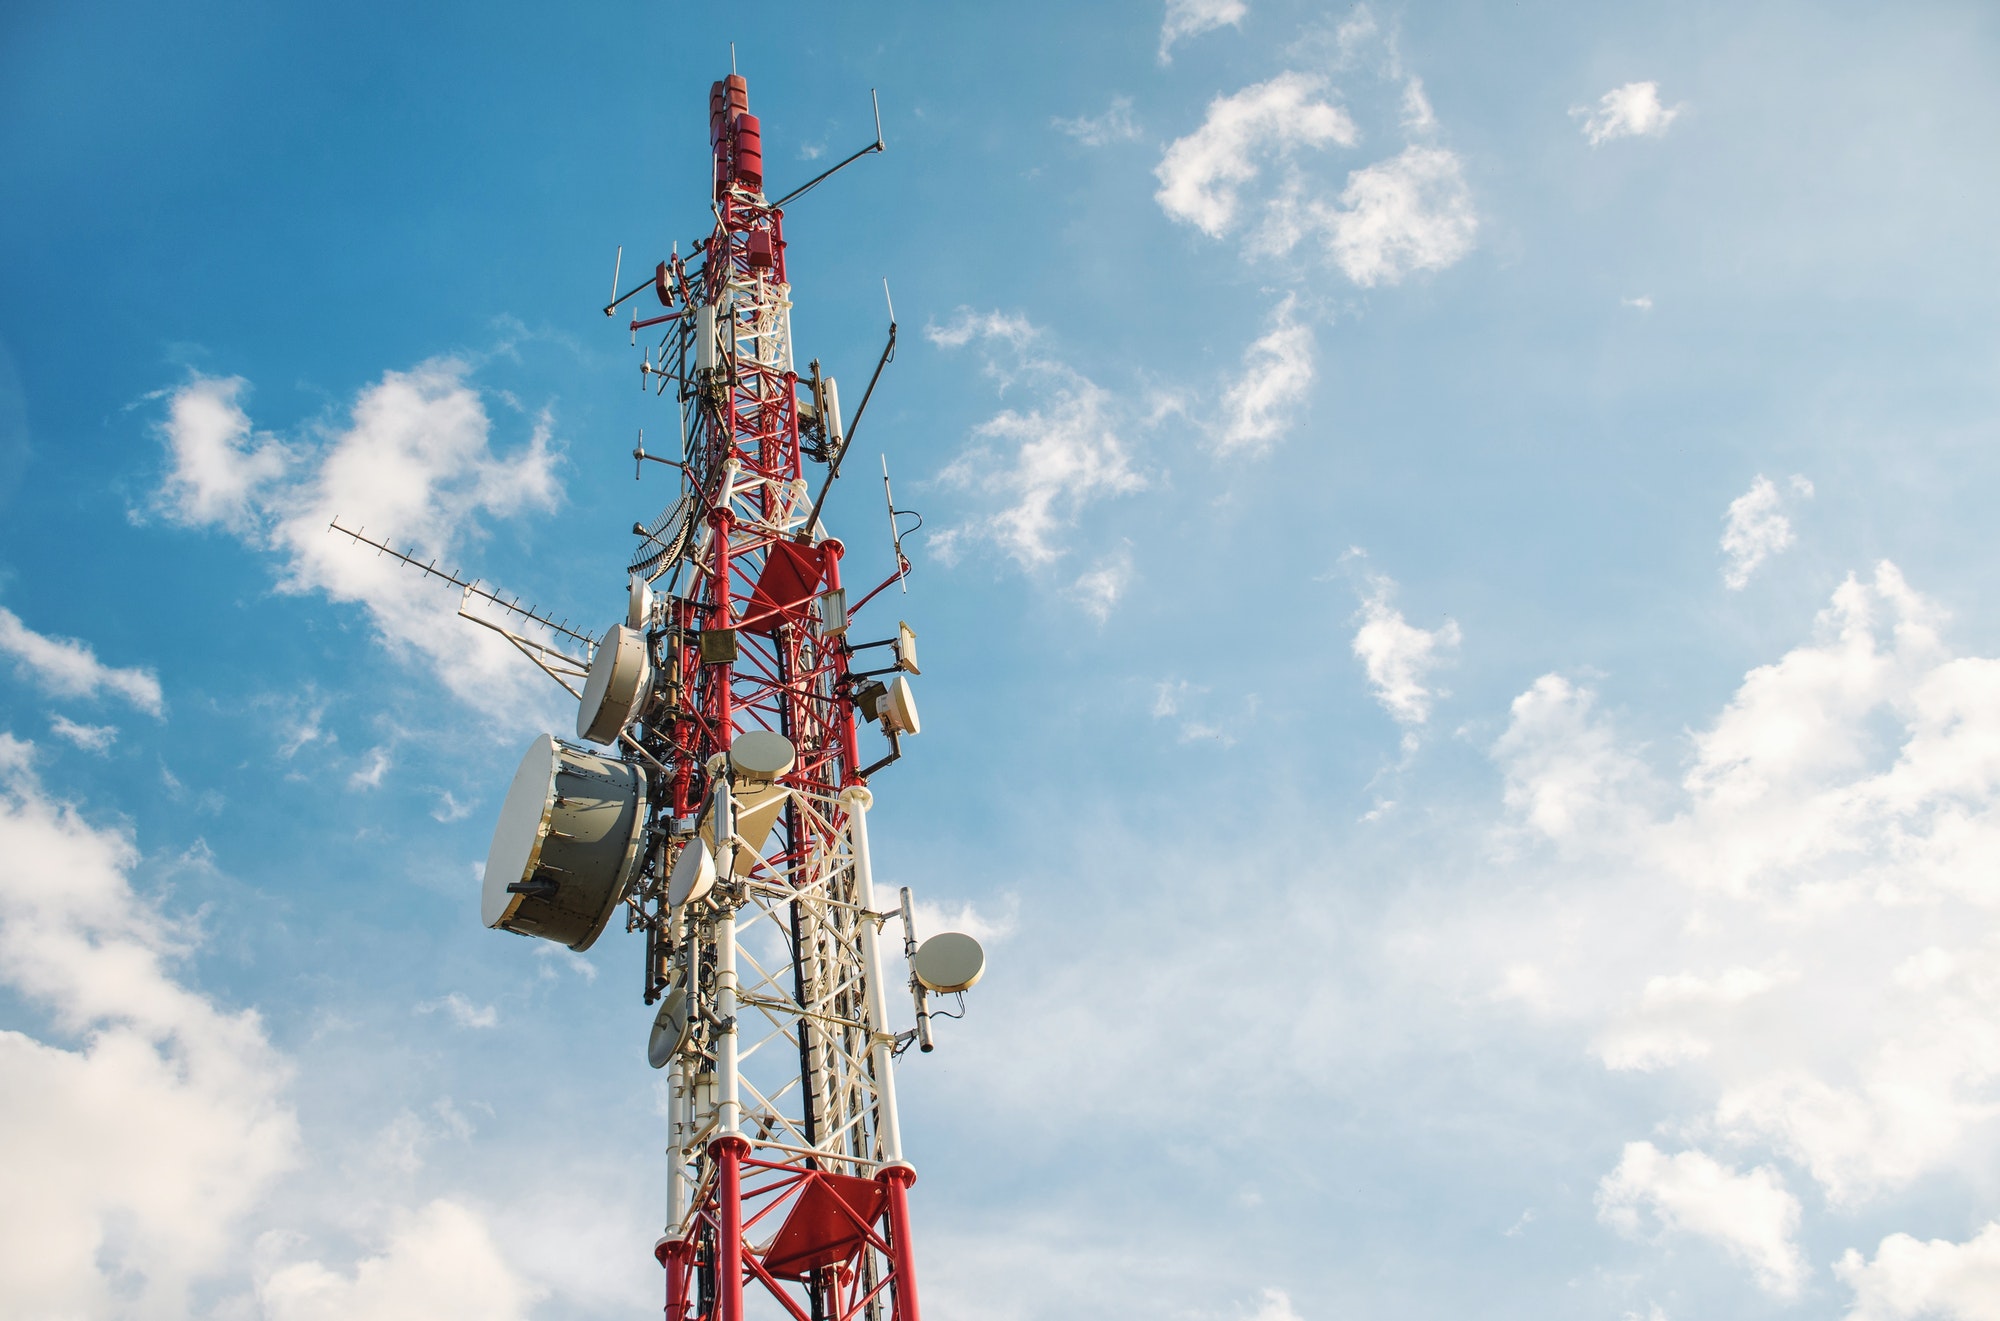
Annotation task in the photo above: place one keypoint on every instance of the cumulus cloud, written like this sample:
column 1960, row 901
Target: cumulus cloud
column 1041, row 464
column 1909, row 1279
column 440, row 1263
column 1757, row 528
column 147, row 1134
column 1566, row 772
column 69, row 668
column 1277, row 373
column 1799, row 932
column 1751, row 1216
column 128, row 1158
column 415, row 463
column 1202, row 175
column 1191, row 18
column 221, row 469
column 1410, row 212
column 1631, row 111
column 1398, row 656
column 1114, row 125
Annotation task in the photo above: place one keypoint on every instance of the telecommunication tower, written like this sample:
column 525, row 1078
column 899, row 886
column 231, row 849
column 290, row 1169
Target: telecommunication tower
column 717, row 797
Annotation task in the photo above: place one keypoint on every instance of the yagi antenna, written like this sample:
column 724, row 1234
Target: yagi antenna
column 431, row 569
column 617, row 264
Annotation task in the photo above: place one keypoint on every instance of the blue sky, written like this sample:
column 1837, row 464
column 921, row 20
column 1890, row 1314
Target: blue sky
column 1458, row 684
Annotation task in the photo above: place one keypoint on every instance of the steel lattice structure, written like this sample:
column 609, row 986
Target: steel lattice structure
column 787, row 1170
column 728, row 817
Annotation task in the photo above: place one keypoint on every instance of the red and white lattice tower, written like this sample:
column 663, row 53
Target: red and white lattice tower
column 726, row 814
column 752, row 881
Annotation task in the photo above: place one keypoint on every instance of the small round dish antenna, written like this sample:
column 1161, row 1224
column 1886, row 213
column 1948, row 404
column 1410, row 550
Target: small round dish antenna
column 899, row 708
column 693, row 876
column 949, row 961
column 620, row 673
column 762, row 754
column 670, row 1029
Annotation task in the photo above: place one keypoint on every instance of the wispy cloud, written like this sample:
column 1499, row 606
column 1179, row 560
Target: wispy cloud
column 1277, row 374
column 70, row 668
column 1756, row 528
column 1041, row 464
column 1631, row 111
column 91, row 738
column 1098, row 588
column 373, row 767
column 1397, row 655
column 462, row 1011
column 1191, row 18
column 1114, row 125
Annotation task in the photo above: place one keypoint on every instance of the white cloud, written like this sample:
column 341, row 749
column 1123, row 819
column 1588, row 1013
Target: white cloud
column 91, row 738
column 966, row 916
column 1179, row 700
column 1114, row 125
column 1273, row 1305
column 1409, row 212
column 128, row 1159
column 1201, row 175
column 414, row 463
column 1833, row 821
column 1412, row 212
column 369, row 774
column 1565, row 773
column 70, row 668
column 1909, row 1279
column 1191, row 18
column 1631, row 111
column 148, row 1135
column 463, row 1011
column 1277, row 374
column 1398, row 656
column 1643, row 303
column 1757, row 528
column 220, row 469
column 1098, row 588
column 1043, row 465
column 440, row 1264
column 1418, row 117
column 1751, row 1215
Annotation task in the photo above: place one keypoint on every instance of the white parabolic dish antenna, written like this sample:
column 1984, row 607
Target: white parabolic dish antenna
column 619, row 675
column 949, row 961
column 565, row 846
column 694, row 875
column 762, row 754
column 900, row 705
column 670, row 1027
